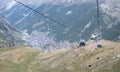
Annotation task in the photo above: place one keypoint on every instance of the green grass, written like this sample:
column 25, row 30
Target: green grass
column 23, row 66
column 71, row 60
column 10, row 66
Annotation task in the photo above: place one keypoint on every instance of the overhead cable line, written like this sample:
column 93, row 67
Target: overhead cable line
column 46, row 16
column 98, row 14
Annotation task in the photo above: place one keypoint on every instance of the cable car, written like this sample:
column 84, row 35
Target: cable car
column 96, row 35
column 99, row 45
column 93, row 36
column 82, row 43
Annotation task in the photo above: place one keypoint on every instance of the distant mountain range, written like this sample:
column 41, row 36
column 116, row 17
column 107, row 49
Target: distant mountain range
column 77, row 15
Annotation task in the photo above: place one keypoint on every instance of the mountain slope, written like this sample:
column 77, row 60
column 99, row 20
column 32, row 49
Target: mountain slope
column 9, row 36
column 70, row 16
column 78, row 15
column 88, row 59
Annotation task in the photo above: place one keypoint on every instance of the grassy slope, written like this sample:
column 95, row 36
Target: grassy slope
column 16, row 59
column 27, row 59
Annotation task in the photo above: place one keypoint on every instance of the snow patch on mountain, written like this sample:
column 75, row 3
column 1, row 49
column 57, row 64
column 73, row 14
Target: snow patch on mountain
column 68, row 12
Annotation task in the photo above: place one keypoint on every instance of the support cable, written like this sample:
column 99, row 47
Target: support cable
column 53, row 20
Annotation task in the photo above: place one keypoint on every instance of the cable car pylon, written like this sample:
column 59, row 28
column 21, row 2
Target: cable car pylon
column 98, row 30
column 97, row 34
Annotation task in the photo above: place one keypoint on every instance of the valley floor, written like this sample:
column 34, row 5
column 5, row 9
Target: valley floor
column 85, row 59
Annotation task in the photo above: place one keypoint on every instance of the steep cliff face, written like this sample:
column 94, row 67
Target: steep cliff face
column 9, row 36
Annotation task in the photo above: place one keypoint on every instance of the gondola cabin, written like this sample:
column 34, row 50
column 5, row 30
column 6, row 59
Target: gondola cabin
column 82, row 43
column 99, row 45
